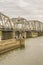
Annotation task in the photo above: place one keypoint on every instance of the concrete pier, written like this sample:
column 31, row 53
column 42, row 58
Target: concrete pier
column 7, row 45
column 30, row 34
column 6, row 35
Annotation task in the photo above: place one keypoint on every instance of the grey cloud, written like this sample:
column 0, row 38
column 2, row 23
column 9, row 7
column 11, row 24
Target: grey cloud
column 15, row 8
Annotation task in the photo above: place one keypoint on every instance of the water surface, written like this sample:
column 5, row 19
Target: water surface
column 32, row 54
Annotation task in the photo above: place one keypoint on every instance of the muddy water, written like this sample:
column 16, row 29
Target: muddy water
column 32, row 54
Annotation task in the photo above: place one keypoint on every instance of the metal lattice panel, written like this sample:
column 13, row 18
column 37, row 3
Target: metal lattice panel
column 5, row 22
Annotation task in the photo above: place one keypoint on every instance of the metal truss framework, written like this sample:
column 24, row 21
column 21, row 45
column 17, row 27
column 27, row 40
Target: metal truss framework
column 6, row 24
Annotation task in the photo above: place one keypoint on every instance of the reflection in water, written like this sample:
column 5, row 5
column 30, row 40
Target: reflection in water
column 32, row 54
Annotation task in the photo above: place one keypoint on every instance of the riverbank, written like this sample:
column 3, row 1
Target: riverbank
column 10, row 44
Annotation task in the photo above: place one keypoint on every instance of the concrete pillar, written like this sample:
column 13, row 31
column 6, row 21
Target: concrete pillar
column 0, row 35
column 7, row 35
column 13, row 34
column 40, row 33
column 34, row 34
column 28, row 34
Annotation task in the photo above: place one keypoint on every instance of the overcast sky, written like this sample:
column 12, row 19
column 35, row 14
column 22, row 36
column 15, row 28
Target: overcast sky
column 30, row 9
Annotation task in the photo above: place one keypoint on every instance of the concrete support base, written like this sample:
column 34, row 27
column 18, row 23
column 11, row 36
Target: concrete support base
column 7, row 45
column 30, row 34
column 40, row 33
column 34, row 34
column 17, row 34
column 7, row 35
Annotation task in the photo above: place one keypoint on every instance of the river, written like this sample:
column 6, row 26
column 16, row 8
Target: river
column 32, row 54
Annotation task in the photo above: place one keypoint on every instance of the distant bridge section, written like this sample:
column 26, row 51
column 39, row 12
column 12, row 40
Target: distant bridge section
column 31, row 27
column 34, row 25
column 23, row 24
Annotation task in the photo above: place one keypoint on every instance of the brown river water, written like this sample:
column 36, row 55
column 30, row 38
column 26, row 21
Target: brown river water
column 32, row 54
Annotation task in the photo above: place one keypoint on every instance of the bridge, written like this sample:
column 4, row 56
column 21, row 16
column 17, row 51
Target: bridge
column 15, row 26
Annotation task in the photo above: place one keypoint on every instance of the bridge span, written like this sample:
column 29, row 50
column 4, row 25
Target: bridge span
column 16, row 26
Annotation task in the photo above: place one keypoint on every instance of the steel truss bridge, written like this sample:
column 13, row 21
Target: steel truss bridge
column 19, row 24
